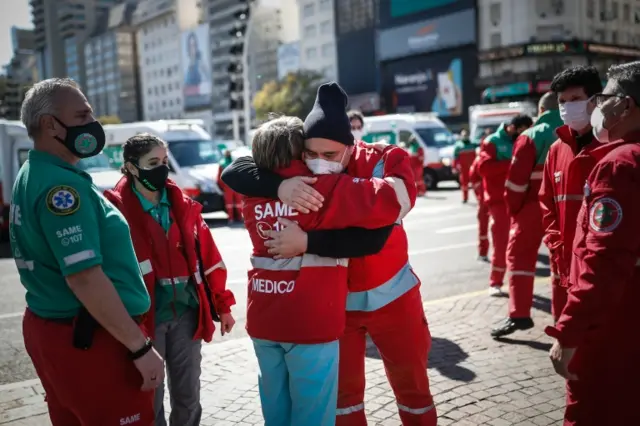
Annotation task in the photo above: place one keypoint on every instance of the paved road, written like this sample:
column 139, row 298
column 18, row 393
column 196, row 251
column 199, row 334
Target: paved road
column 442, row 243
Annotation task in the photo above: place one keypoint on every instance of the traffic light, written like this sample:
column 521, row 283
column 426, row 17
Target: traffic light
column 238, row 35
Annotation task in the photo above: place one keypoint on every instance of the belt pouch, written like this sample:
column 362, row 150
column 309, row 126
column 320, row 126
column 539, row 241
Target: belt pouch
column 84, row 328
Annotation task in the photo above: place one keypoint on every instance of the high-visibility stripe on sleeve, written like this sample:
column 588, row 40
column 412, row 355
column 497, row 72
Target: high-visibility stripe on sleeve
column 537, row 175
column 146, row 267
column 402, row 195
column 219, row 265
column 25, row 264
column 83, row 255
column 516, row 188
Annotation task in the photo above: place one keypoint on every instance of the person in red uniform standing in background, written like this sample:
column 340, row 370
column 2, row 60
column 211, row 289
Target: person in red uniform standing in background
column 568, row 165
column 521, row 193
column 493, row 165
column 232, row 200
column 416, row 152
column 596, row 347
column 483, row 211
column 464, row 154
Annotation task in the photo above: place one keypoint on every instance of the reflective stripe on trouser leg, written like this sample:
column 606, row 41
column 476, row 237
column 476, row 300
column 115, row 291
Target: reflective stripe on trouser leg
column 522, row 255
column 401, row 334
column 351, row 382
column 499, row 228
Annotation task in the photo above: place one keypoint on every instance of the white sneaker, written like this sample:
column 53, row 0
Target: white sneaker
column 495, row 291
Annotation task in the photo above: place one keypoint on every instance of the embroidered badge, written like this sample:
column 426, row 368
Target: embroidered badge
column 557, row 176
column 85, row 143
column 605, row 215
column 63, row 200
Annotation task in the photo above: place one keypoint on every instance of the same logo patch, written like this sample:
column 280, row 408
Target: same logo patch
column 85, row 143
column 63, row 200
column 605, row 215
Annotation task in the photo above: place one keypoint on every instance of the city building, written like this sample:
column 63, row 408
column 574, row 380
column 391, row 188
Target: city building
column 355, row 32
column 111, row 65
column 264, row 40
column 318, row 36
column 427, row 53
column 524, row 44
column 159, row 25
column 61, row 27
column 20, row 72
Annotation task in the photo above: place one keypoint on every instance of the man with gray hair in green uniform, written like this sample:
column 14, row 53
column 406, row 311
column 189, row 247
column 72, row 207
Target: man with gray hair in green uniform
column 85, row 294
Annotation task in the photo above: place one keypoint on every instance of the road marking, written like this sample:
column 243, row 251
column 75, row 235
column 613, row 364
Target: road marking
column 455, row 229
column 443, row 248
column 11, row 315
column 437, row 219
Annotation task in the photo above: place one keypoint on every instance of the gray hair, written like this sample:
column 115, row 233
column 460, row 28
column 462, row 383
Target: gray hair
column 41, row 100
column 277, row 142
column 627, row 79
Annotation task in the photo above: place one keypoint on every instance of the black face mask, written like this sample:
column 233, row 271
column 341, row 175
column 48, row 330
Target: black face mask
column 83, row 141
column 153, row 179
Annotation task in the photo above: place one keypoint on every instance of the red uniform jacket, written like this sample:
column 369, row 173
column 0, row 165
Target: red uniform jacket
column 601, row 316
column 476, row 180
column 379, row 279
column 173, row 255
column 493, row 165
column 561, row 194
column 302, row 299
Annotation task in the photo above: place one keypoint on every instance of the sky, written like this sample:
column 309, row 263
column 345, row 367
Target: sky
column 20, row 16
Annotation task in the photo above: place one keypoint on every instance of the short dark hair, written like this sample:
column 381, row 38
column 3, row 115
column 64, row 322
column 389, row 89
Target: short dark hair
column 278, row 142
column 138, row 146
column 522, row 120
column 355, row 114
column 627, row 79
column 583, row 76
column 548, row 101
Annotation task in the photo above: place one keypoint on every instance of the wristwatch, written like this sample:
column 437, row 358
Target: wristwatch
column 148, row 345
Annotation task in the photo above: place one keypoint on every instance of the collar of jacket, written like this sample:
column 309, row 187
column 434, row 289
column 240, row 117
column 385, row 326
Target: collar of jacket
column 551, row 117
column 570, row 137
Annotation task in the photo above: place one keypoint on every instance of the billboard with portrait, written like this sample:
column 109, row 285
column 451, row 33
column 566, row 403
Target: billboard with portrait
column 440, row 83
column 196, row 68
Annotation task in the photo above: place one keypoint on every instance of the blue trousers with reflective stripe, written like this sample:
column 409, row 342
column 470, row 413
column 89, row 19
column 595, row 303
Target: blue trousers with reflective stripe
column 298, row 383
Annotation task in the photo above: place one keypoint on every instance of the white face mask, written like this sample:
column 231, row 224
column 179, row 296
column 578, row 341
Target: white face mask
column 357, row 134
column 320, row 166
column 575, row 115
column 597, row 122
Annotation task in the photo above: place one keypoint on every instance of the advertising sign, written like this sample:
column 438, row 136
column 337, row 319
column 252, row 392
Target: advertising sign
column 452, row 30
column 288, row 59
column 440, row 83
column 409, row 7
column 196, row 68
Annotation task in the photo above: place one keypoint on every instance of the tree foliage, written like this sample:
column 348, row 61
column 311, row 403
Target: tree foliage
column 109, row 119
column 293, row 95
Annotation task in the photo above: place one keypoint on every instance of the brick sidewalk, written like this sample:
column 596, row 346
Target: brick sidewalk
column 475, row 380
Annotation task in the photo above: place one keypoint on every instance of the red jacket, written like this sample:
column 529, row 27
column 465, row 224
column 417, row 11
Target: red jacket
column 302, row 299
column 601, row 318
column 379, row 279
column 174, row 254
column 493, row 164
column 476, row 180
column 561, row 194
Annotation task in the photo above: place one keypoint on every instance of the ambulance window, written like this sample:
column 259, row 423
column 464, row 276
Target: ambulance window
column 405, row 135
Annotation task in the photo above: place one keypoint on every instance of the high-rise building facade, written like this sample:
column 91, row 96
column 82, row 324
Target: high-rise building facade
column 111, row 65
column 524, row 44
column 159, row 24
column 20, row 72
column 318, row 37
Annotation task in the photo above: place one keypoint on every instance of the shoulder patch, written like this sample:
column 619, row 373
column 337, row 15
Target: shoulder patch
column 63, row 200
column 605, row 215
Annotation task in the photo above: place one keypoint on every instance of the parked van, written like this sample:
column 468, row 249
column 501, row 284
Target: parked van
column 432, row 134
column 491, row 116
column 193, row 155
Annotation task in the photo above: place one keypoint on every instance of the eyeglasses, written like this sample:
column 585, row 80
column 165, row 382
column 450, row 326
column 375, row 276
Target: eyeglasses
column 600, row 98
column 356, row 127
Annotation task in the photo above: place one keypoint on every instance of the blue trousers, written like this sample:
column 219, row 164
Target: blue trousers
column 298, row 383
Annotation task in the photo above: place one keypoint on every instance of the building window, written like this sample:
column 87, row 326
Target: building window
column 311, row 53
column 327, row 50
column 355, row 15
column 591, row 8
column 626, row 12
column 496, row 40
column 325, row 4
column 325, row 27
column 310, row 31
column 495, row 13
column 308, row 10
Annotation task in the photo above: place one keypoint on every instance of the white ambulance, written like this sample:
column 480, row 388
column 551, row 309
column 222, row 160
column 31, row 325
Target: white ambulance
column 432, row 134
column 490, row 116
column 193, row 155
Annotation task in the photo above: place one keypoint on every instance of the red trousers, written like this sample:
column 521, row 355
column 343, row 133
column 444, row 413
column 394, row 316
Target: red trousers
column 418, row 173
column 232, row 203
column 464, row 182
column 499, row 238
column 401, row 334
column 96, row 387
column 525, row 238
column 483, row 229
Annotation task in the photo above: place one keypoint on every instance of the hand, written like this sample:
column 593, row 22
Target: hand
column 561, row 358
column 151, row 368
column 289, row 242
column 297, row 193
column 226, row 323
column 379, row 146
